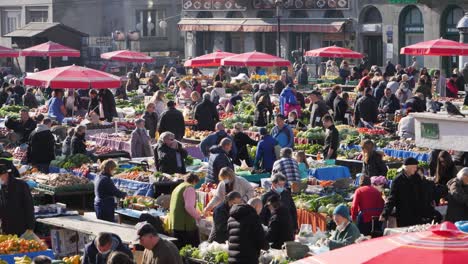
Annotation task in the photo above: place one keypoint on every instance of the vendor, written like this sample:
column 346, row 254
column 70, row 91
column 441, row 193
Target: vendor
column 219, row 231
column 98, row 250
column 41, row 147
column 332, row 138
column 228, row 182
column 280, row 226
column 66, row 145
column 367, row 203
column 406, row 129
column 346, row 232
column 16, row 204
column 23, row 127
column 169, row 154
column 56, row 107
column 183, row 215
column 157, row 250
column 78, row 142
column 293, row 122
column 241, row 141
column 265, row 155
column 372, row 160
column 105, row 192
column 94, row 105
column 140, row 141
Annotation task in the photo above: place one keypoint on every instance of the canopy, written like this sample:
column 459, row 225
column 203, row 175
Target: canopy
column 255, row 59
column 208, row 60
column 438, row 47
column 126, row 56
column 50, row 49
column 334, row 52
column 442, row 244
column 7, row 52
column 73, row 77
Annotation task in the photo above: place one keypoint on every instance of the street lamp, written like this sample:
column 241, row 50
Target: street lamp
column 278, row 4
column 462, row 27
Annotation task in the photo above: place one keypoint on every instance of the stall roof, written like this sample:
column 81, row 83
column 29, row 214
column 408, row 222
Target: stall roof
column 35, row 29
column 262, row 25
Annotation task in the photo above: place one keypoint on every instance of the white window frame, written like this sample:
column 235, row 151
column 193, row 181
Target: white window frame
column 37, row 9
column 157, row 15
column 9, row 13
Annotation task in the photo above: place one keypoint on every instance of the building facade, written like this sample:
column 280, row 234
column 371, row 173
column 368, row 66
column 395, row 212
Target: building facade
column 378, row 28
column 100, row 19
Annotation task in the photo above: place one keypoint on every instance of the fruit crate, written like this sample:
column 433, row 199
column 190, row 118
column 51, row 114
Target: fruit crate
column 65, row 189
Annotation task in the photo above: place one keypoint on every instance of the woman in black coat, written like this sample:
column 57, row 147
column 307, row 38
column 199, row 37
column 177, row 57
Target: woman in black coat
column 242, row 140
column 169, row 155
column 280, row 227
column 206, row 114
column 78, row 142
column 262, row 109
column 151, row 120
column 93, row 105
column 108, row 104
column 16, row 204
column 458, row 197
column 372, row 161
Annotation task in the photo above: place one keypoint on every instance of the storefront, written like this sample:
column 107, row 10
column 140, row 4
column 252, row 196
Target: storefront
column 411, row 31
column 448, row 30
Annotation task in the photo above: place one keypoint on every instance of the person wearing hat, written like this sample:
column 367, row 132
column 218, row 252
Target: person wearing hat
column 346, row 231
column 99, row 250
column 318, row 108
column 172, row 120
column 16, row 204
column 366, row 110
column 265, row 155
column 157, row 249
column 407, row 195
column 140, row 141
column 282, row 132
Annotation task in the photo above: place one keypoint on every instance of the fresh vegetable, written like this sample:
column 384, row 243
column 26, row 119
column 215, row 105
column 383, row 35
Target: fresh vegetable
column 392, row 173
column 189, row 160
column 74, row 161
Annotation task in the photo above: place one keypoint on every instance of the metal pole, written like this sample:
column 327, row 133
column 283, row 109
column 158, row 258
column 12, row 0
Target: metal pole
column 278, row 29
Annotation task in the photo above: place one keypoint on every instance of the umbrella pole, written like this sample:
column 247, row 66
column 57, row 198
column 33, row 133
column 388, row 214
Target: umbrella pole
column 19, row 66
column 50, row 62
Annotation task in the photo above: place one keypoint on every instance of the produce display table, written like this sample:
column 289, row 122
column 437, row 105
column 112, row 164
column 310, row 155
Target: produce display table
column 330, row 173
column 112, row 155
column 402, row 154
column 92, row 132
column 135, row 214
column 111, row 143
column 10, row 259
column 131, row 187
column 316, row 220
column 89, row 225
column 194, row 151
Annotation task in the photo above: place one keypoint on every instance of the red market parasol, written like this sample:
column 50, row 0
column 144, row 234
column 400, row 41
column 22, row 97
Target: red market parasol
column 50, row 49
column 333, row 52
column 208, row 60
column 127, row 56
column 73, row 77
column 437, row 47
column 442, row 244
column 255, row 59
column 8, row 53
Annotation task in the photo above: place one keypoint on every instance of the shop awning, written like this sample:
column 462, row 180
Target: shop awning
column 261, row 25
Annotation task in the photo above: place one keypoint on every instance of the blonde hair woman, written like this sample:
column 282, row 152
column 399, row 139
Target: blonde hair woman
column 105, row 192
column 229, row 182
column 159, row 103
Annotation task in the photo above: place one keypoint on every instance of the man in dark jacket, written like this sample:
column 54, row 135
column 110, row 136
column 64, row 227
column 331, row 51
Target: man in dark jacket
column 390, row 69
column 278, row 183
column 263, row 91
column 151, row 120
column 167, row 153
column 332, row 138
column 23, row 127
column 108, row 104
column 41, row 148
column 318, row 108
column 407, row 196
column 303, row 76
column 219, row 159
column 246, row 235
column 336, row 90
column 417, row 103
column 29, row 100
column 389, row 103
column 340, row 108
column 213, row 140
column 219, row 232
column 206, row 114
column 366, row 109
column 6, row 158
column 16, row 204
column 78, row 141
column 98, row 251
column 172, row 120
column 280, row 227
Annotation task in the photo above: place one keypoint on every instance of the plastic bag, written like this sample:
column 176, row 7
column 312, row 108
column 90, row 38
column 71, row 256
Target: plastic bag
column 29, row 235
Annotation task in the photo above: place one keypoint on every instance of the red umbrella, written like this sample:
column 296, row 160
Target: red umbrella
column 437, row 47
column 8, row 53
column 127, row 56
column 208, row 60
column 50, row 49
column 443, row 244
column 73, row 77
column 255, row 59
column 334, row 52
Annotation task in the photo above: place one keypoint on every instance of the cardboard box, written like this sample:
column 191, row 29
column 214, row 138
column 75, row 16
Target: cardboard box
column 66, row 242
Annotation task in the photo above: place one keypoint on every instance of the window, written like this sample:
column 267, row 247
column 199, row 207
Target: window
column 37, row 14
column 372, row 16
column 148, row 23
column 11, row 20
column 333, row 14
column 414, row 17
column 452, row 20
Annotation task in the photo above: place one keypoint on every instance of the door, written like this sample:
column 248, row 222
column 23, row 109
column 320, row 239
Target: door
column 237, row 42
column 410, row 40
column 373, row 47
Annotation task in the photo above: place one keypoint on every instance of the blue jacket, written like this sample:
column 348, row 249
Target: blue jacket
column 92, row 255
column 212, row 140
column 105, row 191
column 266, row 153
column 287, row 97
column 284, row 137
column 218, row 160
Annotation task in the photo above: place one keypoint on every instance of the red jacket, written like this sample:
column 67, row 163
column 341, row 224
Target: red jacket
column 452, row 89
column 369, row 201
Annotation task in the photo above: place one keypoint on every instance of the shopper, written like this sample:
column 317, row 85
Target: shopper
column 118, row 257
column 172, row 120
column 78, row 141
column 219, row 159
column 183, row 215
column 159, row 104
column 282, row 132
column 229, row 182
column 22, row 127
column 280, row 226
column 303, row 167
column 265, row 155
column 215, row 138
column 373, row 164
column 241, row 141
column 288, row 101
column 108, row 104
column 157, row 250
column 263, row 112
column 458, row 197
column 294, row 122
column 55, row 106
column 367, row 203
column 169, row 155
column 16, row 204
column 219, row 232
column 366, row 110
column 66, row 145
column 140, row 141
column 41, row 147
column 94, row 104
column 206, row 114
column 151, row 120
column 389, row 103
column 318, row 108
column 98, row 251
column 332, row 138
column 346, row 232
column 29, row 99
column 340, row 108
column 445, row 169
column 336, row 90
column 303, row 76
column 105, row 192
column 287, row 166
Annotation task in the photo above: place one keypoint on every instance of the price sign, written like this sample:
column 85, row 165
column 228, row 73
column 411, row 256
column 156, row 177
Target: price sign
column 430, row 130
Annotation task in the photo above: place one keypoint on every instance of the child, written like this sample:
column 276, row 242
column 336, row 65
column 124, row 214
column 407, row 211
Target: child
column 302, row 162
